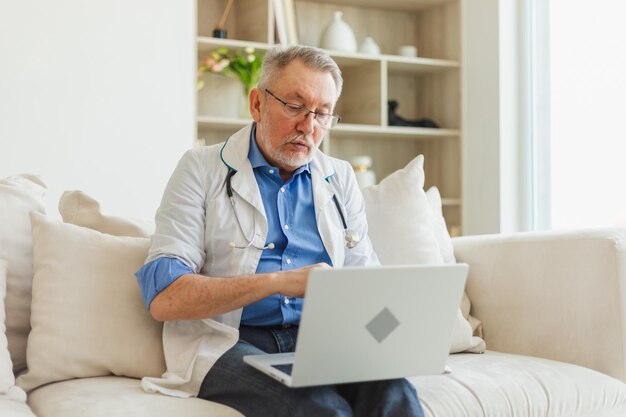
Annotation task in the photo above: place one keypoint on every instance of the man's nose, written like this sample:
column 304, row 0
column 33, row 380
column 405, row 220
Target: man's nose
column 307, row 125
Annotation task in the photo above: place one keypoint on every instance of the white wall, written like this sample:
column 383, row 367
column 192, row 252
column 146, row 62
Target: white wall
column 97, row 95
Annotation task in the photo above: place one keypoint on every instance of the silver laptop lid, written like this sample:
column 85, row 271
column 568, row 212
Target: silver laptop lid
column 362, row 324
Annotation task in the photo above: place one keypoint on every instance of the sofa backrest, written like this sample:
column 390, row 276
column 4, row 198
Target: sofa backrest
column 556, row 295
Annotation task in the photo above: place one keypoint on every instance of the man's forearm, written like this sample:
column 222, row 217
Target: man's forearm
column 193, row 297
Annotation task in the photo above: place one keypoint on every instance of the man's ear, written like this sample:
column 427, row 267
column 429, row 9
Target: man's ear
column 256, row 102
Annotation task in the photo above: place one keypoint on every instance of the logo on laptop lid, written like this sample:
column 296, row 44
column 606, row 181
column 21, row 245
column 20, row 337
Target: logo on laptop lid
column 382, row 325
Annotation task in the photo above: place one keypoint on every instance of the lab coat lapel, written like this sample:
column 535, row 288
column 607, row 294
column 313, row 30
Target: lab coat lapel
column 234, row 154
column 321, row 170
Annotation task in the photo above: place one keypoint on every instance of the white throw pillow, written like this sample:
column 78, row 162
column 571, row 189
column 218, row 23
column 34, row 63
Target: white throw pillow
column 439, row 226
column 400, row 219
column 7, row 380
column 447, row 253
column 19, row 195
column 88, row 318
column 405, row 229
column 80, row 209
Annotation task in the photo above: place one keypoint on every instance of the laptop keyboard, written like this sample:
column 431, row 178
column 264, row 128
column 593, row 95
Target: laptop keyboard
column 286, row 368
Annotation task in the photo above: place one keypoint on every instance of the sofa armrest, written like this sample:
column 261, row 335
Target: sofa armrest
column 556, row 295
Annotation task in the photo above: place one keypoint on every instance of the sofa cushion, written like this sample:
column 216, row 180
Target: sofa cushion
column 80, row 209
column 405, row 229
column 8, row 390
column 488, row 385
column 500, row 384
column 112, row 396
column 10, row 408
column 88, row 318
column 19, row 195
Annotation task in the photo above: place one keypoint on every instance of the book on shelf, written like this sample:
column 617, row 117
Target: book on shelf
column 286, row 23
column 291, row 20
column 280, row 22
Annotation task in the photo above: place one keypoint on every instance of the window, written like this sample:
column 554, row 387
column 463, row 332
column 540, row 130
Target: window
column 587, row 107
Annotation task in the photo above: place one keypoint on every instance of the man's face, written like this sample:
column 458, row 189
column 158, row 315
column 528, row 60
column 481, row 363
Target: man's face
column 290, row 142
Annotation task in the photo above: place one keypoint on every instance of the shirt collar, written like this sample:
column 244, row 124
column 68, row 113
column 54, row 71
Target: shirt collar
column 257, row 159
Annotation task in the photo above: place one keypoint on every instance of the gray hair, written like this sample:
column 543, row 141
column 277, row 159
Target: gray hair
column 279, row 57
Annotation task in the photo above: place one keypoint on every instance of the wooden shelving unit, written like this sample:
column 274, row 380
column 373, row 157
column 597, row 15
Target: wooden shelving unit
column 427, row 86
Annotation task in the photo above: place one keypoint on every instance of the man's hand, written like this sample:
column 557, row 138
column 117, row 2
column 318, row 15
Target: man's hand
column 293, row 283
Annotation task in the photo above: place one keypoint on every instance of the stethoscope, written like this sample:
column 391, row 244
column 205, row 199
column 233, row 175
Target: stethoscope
column 351, row 236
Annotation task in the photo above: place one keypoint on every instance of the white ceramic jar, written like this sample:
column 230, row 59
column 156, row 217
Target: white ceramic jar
column 409, row 51
column 338, row 35
column 369, row 46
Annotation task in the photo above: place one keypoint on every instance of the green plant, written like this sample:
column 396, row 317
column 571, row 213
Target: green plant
column 243, row 65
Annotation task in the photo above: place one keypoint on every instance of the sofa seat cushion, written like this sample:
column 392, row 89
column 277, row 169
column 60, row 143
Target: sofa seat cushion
column 491, row 384
column 114, row 396
column 499, row 384
column 11, row 408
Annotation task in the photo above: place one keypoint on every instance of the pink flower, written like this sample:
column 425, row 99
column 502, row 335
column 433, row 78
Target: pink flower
column 219, row 67
column 243, row 64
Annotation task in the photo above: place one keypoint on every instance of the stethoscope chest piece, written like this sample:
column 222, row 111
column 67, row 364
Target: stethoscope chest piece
column 352, row 238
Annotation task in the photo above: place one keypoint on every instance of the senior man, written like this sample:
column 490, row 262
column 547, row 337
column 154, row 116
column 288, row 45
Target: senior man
column 240, row 226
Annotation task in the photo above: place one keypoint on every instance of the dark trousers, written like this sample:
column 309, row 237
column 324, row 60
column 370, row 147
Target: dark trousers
column 236, row 384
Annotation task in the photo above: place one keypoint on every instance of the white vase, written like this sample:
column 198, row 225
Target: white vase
column 338, row 36
column 369, row 46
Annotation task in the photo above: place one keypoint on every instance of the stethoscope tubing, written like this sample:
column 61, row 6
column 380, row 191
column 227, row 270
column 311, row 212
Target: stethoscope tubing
column 351, row 241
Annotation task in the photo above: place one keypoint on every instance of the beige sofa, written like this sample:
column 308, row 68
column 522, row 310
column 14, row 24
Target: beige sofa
column 552, row 307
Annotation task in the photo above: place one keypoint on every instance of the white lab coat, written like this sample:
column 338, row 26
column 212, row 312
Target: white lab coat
column 195, row 223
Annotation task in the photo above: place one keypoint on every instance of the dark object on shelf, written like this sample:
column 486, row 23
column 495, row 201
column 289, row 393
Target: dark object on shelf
column 395, row 120
column 219, row 33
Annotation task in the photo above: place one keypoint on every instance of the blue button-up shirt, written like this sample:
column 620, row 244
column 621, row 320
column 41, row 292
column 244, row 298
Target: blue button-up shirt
column 292, row 228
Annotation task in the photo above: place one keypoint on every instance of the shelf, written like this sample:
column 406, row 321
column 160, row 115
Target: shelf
column 208, row 44
column 399, row 5
column 451, row 202
column 418, row 65
column 396, row 63
column 365, row 131
column 395, row 132
column 222, row 123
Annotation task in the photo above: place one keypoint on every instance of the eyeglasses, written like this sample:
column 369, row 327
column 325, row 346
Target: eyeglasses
column 325, row 120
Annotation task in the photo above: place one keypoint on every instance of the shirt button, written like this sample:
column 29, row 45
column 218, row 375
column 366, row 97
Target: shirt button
column 282, row 190
column 287, row 226
column 271, row 171
column 288, row 261
column 286, row 300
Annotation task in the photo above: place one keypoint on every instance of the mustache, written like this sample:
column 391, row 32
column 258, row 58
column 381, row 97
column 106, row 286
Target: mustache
column 301, row 140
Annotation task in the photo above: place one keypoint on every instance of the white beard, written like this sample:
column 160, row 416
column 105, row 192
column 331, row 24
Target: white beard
column 295, row 160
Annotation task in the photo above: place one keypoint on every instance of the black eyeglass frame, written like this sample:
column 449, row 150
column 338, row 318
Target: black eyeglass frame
column 333, row 118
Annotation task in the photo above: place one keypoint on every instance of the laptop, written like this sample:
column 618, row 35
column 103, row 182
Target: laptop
column 365, row 324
